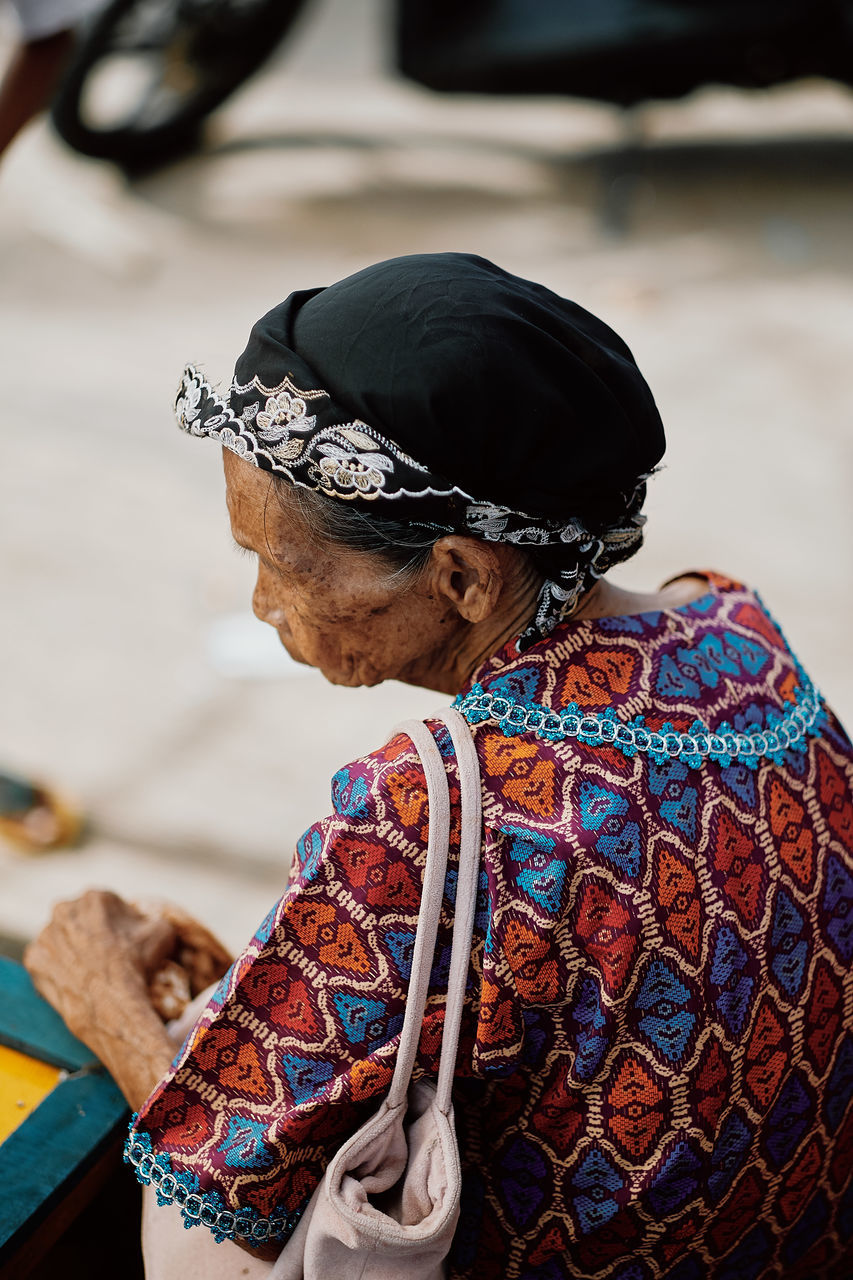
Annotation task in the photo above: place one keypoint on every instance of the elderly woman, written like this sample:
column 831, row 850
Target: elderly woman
column 436, row 464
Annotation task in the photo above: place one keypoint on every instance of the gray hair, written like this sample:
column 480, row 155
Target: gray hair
column 403, row 546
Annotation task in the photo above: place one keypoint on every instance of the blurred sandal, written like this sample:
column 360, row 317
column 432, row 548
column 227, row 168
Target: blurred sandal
column 34, row 818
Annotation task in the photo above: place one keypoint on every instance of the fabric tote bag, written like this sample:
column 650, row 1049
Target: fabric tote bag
column 388, row 1203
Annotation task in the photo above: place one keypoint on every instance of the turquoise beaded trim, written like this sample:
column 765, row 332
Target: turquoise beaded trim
column 202, row 1208
column 723, row 746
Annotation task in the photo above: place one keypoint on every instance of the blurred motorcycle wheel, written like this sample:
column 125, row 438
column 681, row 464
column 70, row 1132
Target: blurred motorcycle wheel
column 146, row 73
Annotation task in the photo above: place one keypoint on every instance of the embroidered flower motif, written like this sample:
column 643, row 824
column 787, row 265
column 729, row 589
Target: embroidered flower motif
column 573, row 532
column 342, row 471
column 282, row 412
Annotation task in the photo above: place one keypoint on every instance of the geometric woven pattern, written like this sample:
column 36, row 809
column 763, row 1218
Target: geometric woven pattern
column 656, row 1064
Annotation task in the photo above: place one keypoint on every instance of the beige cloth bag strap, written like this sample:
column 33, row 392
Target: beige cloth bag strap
column 432, row 897
column 470, row 846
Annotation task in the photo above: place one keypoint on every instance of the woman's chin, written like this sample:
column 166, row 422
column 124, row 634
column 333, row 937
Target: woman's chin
column 351, row 679
column 287, row 643
column 352, row 676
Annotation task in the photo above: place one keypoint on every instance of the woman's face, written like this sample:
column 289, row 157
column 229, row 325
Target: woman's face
column 334, row 608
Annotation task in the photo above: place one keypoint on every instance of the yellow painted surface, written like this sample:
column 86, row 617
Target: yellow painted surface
column 24, row 1082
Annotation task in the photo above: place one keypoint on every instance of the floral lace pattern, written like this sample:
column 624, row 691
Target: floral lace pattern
column 276, row 431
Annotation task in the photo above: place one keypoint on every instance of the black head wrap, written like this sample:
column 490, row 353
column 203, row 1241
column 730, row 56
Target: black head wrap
column 450, row 394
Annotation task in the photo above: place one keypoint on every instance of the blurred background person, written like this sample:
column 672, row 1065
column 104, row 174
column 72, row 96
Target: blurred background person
column 45, row 41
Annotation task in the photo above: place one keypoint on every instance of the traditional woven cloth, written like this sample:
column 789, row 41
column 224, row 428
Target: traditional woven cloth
column 657, row 1058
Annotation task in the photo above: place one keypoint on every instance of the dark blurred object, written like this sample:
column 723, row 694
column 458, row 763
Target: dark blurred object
column 147, row 72
column 621, row 51
column 34, row 818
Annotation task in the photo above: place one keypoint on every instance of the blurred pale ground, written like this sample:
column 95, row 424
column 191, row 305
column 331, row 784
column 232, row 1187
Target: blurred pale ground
column 721, row 248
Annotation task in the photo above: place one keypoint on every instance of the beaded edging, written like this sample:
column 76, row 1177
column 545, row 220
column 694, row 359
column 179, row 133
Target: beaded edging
column 723, row 746
column 202, row 1208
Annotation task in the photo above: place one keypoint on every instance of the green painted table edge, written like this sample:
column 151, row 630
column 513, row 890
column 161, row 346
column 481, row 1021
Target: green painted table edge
column 71, row 1127
column 28, row 1023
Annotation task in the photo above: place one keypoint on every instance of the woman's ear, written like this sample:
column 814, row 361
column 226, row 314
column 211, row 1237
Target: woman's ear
column 470, row 574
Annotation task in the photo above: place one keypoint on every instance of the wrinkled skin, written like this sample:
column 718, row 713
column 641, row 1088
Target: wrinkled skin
column 346, row 613
column 342, row 612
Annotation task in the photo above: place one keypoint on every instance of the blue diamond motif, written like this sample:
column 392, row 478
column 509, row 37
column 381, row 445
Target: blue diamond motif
column 519, row 685
column 681, row 813
column 753, row 658
column 545, row 886
column 741, row 781
column 790, row 952
column 349, row 795
column 356, row 1014
column 590, row 1017
column 597, row 803
column 662, row 1000
column 838, row 904
column 789, row 1119
column 244, row 1146
column 622, row 849
column 523, row 1172
column 839, row 1088
column 677, row 1180
column 306, row 1076
column 673, row 683
column 401, row 944
column 596, row 1181
column 730, row 1151
column 734, row 986
column 525, row 842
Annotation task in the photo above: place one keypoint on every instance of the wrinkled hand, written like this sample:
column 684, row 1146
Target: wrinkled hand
column 96, row 952
column 93, row 962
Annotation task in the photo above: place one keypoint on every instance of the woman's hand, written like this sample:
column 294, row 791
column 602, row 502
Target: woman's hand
column 92, row 962
column 96, row 952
